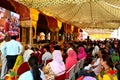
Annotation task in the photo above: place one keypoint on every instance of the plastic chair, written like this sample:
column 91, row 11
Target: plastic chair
column 80, row 78
column 23, row 68
column 70, row 74
column 60, row 77
column 82, row 63
column 47, row 61
column 78, row 66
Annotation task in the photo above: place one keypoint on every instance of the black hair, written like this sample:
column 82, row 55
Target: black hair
column 103, row 51
column 13, row 37
column 47, row 47
column 71, row 44
column 108, row 60
column 33, row 62
column 7, row 38
column 57, row 47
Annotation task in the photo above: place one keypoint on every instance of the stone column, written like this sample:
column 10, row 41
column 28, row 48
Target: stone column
column 31, row 39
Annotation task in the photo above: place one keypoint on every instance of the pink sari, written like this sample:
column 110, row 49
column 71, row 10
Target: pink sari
column 57, row 65
column 71, row 59
column 81, row 53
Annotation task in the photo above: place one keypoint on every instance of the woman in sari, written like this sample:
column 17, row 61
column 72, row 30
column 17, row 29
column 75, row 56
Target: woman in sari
column 81, row 53
column 56, row 67
column 71, row 59
column 108, row 73
column 12, row 74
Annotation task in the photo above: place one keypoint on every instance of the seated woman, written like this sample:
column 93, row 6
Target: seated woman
column 71, row 59
column 81, row 53
column 108, row 73
column 95, row 67
column 56, row 67
column 35, row 73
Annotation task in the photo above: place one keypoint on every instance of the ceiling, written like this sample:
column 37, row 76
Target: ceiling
column 100, row 14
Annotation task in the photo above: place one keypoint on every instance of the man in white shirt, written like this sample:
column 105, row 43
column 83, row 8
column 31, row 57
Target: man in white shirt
column 95, row 50
column 47, row 55
column 11, row 50
column 3, row 58
column 27, row 53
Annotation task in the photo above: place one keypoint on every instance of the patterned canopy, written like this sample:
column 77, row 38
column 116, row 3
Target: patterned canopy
column 98, row 14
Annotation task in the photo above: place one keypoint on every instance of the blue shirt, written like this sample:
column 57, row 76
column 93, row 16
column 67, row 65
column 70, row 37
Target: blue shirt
column 11, row 48
column 28, row 76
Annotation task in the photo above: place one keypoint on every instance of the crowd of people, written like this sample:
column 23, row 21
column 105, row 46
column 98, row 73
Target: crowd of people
column 101, row 59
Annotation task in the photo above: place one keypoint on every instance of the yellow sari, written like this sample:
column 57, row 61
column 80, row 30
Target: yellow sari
column 110, row 75
column 12, row 74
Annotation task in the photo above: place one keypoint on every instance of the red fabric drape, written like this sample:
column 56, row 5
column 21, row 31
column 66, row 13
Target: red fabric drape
column 68, row 28
column 76, row 30
column 52, row 24
column 21, row 9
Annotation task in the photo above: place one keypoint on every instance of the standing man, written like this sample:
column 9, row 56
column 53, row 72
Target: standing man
column 3, row 58
column 11, row 50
